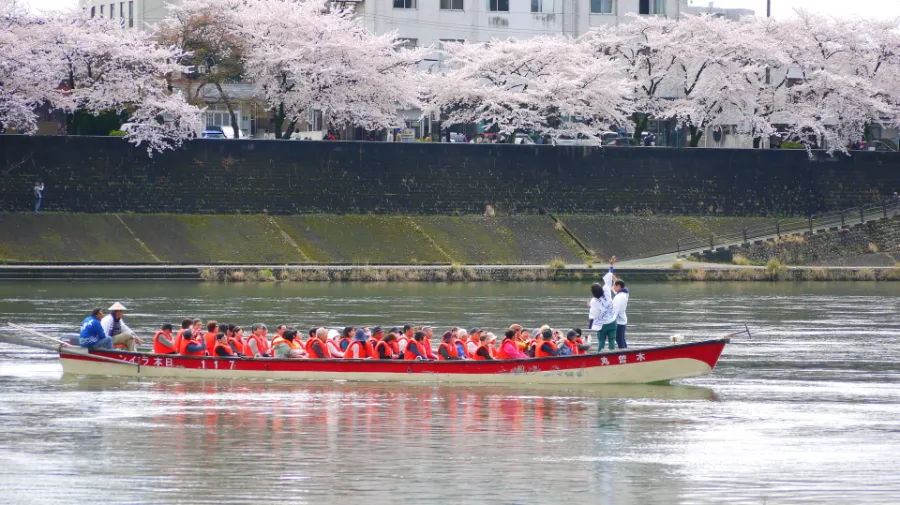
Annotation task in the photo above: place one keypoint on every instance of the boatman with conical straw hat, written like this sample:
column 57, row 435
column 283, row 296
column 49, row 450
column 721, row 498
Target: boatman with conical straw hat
column 115, row 328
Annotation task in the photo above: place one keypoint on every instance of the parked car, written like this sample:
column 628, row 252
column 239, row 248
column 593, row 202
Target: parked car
column 227, row 131
column 622, row 142
column 213, row 134
column 523, row 139
column 579, row 140
column 877, row 145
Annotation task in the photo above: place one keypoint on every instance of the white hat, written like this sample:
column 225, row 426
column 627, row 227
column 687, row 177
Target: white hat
column 333, row 334
column 116, row 306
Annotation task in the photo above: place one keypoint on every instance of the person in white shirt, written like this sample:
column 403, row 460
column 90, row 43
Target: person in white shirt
column 620, row 304
column 601, row 314
column 114, row 327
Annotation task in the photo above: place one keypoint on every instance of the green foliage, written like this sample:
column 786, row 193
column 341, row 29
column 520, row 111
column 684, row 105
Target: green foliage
column 775, row 269
column 677, row 265
column 266, row 275
column 890, row 143
column 117, row 133
column 557, row 264
column 792, row 145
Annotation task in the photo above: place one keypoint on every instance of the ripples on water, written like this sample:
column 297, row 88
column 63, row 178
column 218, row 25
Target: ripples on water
column 805, row 412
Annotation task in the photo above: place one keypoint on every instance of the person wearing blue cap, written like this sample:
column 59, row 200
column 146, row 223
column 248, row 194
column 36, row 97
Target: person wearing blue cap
column 359, row 347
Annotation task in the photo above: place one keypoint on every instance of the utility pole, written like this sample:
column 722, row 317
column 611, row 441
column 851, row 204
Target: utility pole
column 768, row 8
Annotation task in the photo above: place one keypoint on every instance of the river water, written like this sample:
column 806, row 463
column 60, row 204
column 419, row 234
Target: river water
column 807, row 411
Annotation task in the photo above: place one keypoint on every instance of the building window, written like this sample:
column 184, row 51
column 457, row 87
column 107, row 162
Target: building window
column 405, row 4
column 545, row 6
column 130, row 14
column 92, row 11
column 602, row 7
column 102, row 13
column 121, row 9
column 112, row 11
column 498, row 5
column 452, row 5
column 652, row 7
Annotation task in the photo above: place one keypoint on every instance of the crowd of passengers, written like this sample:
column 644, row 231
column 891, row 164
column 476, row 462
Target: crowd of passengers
column 606, row 316
column 194, row 338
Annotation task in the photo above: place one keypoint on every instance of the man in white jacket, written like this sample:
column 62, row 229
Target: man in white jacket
column 620, row 304
column 114, row 327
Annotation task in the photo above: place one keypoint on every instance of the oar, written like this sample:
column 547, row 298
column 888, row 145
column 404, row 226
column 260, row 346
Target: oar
column 39, row 334
column 61, row 347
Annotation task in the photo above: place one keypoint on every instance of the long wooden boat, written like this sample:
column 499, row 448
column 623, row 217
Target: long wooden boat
column 657, row 364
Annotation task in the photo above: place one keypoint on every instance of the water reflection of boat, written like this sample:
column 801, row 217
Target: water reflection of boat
column 638, row 366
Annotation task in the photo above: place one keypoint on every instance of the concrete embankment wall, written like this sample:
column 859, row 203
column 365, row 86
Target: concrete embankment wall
column 349, row 239
column 101, row 174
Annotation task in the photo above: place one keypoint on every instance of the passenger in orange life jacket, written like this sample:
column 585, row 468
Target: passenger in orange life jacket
column 185, row 324
column 163, row 342
column 482, row 352
column 545, row 346
column 426, row 344
column 385, row 348
column 448, row 350
column 257, row 345
column 460, row 340
column 333, row 343
column 279, row 331
column 571, row 345
column 192, row 345
column 236, row 342
column 491, row 341
column 212, row 331
column 222, row 349
column 197, row 327
column 346, row 337
column 415, row 350
column 409, row 333
column 285, row 346
column 359, row 347
column 316, row 347
column 474, row 341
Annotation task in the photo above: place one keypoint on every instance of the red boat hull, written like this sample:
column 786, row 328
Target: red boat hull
column 629, row 366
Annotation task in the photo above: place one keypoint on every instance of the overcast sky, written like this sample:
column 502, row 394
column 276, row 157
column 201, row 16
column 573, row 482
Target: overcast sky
column 780, row 8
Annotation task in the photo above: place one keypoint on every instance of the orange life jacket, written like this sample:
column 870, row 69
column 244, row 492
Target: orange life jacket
column 477, row 356
column 493, row 350
column 178, row 339
column 238, row 343
column 185, row 343
column 408, row 354
column 501, row 354
column 261, row 345
column 364, row 351
column 220, row 345
column 210, row 338
column 387, row 347
column 161, row 348
column 309, row 348
column 451, row 350
column 539, row 353
column 280, row 340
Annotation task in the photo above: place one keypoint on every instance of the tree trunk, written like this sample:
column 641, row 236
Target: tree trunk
column 757, row 141
column 230, row 107
column 696, row 134
column 640, row 124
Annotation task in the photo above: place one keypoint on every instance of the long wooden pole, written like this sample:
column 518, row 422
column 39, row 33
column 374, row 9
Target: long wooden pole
column 61, row 347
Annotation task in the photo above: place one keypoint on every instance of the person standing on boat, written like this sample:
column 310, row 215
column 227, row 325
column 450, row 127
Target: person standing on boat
column 116, row 329
column 163, row 342
column 620, row 304
column 601, row 314
column 92, row 335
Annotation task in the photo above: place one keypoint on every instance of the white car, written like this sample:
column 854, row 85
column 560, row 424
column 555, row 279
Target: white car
column 580, row 140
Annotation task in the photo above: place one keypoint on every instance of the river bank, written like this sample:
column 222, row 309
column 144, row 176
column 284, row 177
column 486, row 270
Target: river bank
column 687, row 272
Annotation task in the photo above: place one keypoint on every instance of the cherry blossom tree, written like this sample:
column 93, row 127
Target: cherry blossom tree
column 205, row 32
column 847, row 72
column 311, row 56
column 547, row 84
column 71, row 62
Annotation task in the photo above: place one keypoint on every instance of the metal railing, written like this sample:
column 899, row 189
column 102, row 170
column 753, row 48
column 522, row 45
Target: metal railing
column 788, row 226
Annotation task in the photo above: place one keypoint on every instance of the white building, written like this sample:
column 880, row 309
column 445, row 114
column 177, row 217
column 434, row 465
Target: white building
column 133, row 13
column 431, row 22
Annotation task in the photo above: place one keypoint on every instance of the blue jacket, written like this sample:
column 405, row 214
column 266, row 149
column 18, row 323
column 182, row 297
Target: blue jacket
column 91, row 332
